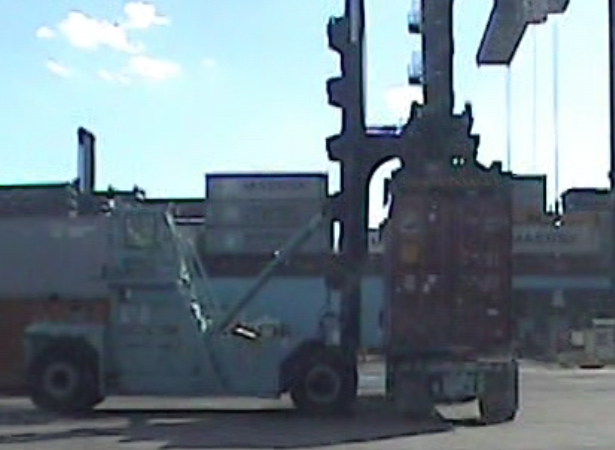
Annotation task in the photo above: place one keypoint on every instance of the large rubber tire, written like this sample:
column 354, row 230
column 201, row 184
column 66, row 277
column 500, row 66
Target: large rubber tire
column 412, row 397
column 325, row 384
column 63, row 379
column 499, row 402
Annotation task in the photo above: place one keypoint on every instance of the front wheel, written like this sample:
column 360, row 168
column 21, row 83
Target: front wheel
column 326, row 384
column 63, row 380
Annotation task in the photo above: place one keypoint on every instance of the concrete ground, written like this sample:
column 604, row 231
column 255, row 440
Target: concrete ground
column 561, row 410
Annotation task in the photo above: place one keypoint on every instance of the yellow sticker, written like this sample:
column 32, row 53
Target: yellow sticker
column 410, row 252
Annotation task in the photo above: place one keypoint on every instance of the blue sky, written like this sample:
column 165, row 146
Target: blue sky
column 175, row 89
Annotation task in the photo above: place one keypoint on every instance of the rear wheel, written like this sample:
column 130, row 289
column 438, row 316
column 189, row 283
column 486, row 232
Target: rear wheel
column 494, row 411
column 325, row 384
column 64, row 380
column 499, row 401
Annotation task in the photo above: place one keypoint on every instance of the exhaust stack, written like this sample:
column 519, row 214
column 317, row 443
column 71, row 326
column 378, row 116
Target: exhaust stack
column 86, row 165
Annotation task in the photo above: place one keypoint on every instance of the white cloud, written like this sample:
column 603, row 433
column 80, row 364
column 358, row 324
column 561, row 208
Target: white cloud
column 153, row 68
column 89, row 33
column 143, row 15
column 142, row 67
column 113, row 77
column 58, row 69
column 45, row 33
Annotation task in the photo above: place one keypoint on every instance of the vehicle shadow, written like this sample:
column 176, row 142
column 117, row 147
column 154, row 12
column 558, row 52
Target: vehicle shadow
column 24, row 417
column 275, row 428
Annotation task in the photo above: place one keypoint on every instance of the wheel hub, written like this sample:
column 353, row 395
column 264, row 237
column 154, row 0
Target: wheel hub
column 60, row 380
column 323, row 384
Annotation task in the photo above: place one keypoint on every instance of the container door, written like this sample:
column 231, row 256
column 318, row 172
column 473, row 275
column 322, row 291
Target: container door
column 482, row 251
column 418, row 308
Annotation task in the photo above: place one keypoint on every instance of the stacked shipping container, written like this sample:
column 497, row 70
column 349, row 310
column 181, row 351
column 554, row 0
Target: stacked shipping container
column 255, row 214
column 36, row 200
column 449, row 268
column 49, row 270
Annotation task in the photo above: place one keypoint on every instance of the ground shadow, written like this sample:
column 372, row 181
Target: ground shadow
column 275, row 428
column 24, row 417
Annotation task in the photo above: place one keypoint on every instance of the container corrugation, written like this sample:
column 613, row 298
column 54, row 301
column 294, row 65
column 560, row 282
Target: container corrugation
column 16, row 315
column 190, row 209
column 90, row 205
column 261, row 213
column 449, row 270
column 267, row 186
column 53, row 256
column 35, row 190
column 567, row 239
column 260, row 240
column 30, row 210
column 35, row 212
column 180, row 208
column 301, row 265
column 35, row 201
column 586, row 200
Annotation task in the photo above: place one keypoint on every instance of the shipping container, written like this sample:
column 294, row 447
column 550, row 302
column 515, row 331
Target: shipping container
column 59, row 257
column 449, row 269
column 35, row 210
column 586, row 200
column 181, row 207
column 549, row 239
column 17, row 314
column 529, row 194
column 191, row 229
column 37, row 200
column 561, row 265
column 261, row 213
column 250, row 265
column 243, row 240
column 261, row 186
column 42, row 191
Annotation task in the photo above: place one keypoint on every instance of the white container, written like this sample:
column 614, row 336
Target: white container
column 259, row 241
column 253, row 186
column 260, row 213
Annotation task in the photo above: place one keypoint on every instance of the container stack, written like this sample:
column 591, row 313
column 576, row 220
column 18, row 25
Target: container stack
column 37, row 200
column 256, row 214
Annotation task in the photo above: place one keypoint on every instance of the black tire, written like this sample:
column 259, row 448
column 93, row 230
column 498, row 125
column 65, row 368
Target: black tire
column 493, row 413
column 63, row 379
column 500, row 401
column 325, row 384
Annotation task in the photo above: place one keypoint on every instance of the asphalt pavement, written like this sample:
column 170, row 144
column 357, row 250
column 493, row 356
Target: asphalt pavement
column 561, row 410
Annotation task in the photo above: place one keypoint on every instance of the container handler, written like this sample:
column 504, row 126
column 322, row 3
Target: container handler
column 167, row 335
